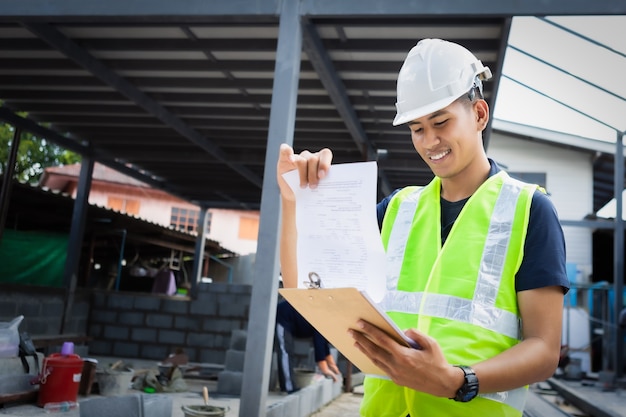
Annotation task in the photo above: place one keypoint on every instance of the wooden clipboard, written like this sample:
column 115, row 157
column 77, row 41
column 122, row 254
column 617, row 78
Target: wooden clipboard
column 332, row 311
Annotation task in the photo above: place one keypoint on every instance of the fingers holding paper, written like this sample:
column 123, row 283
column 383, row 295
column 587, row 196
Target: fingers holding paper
column 312, row 167
column 424, row 369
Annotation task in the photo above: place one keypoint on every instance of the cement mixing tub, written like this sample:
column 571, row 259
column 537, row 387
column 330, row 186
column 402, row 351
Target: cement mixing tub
column 204, row 411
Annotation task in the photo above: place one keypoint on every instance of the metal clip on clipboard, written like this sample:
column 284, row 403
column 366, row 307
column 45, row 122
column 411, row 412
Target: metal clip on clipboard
column 314, row 282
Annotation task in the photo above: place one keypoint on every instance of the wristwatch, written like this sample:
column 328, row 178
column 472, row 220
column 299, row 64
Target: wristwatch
column 469, row 389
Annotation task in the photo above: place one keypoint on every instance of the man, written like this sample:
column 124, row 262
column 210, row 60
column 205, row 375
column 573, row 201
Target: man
column 290, row 324
column 481, row 281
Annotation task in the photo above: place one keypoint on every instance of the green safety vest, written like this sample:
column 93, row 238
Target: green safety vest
column 467, row 303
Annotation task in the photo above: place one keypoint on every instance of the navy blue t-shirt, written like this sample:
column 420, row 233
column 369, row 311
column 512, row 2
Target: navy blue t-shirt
column 299, row 327
column 543, row 264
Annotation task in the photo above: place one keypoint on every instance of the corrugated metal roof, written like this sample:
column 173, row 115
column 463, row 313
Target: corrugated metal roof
column 178, row 94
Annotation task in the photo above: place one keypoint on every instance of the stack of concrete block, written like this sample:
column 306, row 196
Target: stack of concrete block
column 134, row 405
column 308, row 400
column 229, row 380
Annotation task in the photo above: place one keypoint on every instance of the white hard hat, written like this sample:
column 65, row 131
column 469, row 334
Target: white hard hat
column 433, row 75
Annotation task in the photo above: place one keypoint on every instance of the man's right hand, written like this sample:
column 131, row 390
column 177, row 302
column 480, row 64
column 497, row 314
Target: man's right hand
column 312, row 167
column 329, row 369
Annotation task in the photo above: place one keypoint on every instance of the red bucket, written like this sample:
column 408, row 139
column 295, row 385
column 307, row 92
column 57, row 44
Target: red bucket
column 59, row 379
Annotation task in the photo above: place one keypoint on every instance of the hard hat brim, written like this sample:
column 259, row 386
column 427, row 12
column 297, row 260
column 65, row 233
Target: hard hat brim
column 402, row 118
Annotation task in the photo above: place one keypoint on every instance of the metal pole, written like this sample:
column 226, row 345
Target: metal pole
column 618, row 256
column 120, row 260
column 75, row 243
column 5, row 193
column 198, row 257
column 262, row 316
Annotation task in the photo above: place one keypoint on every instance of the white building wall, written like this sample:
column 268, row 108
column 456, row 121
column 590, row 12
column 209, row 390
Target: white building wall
column 225, row 229
column 224, row 223
column 569, row 181
column 151, row 209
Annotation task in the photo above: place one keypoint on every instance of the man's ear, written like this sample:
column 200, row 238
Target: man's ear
column 481, row 109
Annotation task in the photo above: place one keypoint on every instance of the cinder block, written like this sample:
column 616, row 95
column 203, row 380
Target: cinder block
column 116, row 332
column 123, row 302
column 308, row 400
column 171, row 337
column 154, row 352
column 174, row 306
column 236, row 308
column 126, row 350
column 205, row 305
column 143, row 335
column 317, row 400
column 240, row 289
column 131, row 318
column 104, row 316
column 127, row 406
column 327, row 391
column 234, row 360
column 157, row 405
column 146, row 303
column 51, row 307
column 287, row 407
column 229, row 382
column 238, row 339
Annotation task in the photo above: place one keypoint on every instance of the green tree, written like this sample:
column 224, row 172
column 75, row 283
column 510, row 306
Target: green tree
column 33, row 156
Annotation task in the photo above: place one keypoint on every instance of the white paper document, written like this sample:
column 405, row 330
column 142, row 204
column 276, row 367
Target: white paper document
column 338, row 237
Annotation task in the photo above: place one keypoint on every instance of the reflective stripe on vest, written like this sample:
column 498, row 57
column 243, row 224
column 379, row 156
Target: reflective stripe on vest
column 481, row 310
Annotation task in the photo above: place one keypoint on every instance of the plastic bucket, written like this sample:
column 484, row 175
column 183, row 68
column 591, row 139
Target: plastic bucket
column 59, row 379
column 111, row 383
column 303, row 377
column 204, row 411
column 10, row 338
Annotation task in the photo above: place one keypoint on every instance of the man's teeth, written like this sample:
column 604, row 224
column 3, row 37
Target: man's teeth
column 439, row 155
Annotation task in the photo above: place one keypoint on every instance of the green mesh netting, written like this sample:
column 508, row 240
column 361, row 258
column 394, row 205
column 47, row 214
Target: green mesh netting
column 33, row 258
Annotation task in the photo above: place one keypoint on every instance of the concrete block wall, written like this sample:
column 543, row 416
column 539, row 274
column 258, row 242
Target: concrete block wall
column 42, row 308
column 147, row 326
column 150, row 326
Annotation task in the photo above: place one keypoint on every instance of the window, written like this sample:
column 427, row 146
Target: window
column 185, row 219
column 124, row 205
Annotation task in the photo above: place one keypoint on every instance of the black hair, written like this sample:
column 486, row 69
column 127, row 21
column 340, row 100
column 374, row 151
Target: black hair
column 476, row 90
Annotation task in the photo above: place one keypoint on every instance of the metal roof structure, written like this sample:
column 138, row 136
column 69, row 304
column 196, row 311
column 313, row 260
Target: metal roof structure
column 153, row 239
column 178, row 95
column 195, row 96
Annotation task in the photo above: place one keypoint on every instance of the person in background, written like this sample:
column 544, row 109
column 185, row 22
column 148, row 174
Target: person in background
column 478, row 277
column 290, row 324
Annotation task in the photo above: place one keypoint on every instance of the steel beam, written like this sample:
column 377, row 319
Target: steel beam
column 75, row 243
column 7, row 178
column 618, row 257
column 73, row 51
column 162, row 10
column 262, row 317
column 234, row 10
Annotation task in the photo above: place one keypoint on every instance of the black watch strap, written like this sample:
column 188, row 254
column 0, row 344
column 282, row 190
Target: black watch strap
column 469, row 389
